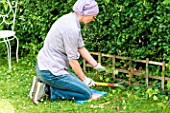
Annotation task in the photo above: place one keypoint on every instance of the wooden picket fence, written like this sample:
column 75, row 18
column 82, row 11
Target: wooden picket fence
column 146, row 62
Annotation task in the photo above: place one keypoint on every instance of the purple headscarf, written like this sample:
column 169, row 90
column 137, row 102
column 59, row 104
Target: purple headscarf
column 86, row 7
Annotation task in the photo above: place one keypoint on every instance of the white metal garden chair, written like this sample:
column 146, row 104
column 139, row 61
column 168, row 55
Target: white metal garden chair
column 8, row 9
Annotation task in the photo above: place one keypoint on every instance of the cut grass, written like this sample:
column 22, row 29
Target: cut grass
column 15, row 86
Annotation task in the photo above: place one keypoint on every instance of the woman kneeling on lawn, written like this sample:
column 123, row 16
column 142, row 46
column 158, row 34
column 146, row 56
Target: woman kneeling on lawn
column 62, row 48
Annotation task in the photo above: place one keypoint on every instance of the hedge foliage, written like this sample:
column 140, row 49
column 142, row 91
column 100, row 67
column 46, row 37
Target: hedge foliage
column 131, row 28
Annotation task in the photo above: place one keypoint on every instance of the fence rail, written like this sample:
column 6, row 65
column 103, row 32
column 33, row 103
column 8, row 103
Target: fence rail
column 136, row 73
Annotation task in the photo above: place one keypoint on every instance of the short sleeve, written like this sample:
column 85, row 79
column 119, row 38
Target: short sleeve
column 72, row 41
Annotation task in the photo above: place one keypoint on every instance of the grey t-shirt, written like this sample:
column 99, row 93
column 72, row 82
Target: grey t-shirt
column 61, row 45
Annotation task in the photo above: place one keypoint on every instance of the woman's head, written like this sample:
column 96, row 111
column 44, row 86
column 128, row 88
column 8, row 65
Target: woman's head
column 88, row 9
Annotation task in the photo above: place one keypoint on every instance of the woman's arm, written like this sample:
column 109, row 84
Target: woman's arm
column 77, row 69
column 87, row 56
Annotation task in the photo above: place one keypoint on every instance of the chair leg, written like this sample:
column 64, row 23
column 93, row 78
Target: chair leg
column 7, row 42
column 17, row 48
column 9, row 54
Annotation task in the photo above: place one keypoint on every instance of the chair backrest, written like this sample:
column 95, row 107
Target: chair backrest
column 8, row 9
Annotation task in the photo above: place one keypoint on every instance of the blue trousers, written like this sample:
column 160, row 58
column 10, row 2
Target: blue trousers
column 66, row 86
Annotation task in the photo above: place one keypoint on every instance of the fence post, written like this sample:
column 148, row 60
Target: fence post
column 130, row 77
column 163, row 76
column 99, row 57
column 113, row 65
column 147, row 72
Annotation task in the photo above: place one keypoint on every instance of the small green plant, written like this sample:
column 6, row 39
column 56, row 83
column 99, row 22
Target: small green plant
column 168, row 85
column 152, row 93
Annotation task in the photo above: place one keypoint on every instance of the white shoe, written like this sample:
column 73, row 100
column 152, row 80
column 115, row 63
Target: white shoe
column 39, row 92
column 32, row 91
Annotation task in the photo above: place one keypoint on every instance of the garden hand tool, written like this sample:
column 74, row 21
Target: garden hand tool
column 111, row 84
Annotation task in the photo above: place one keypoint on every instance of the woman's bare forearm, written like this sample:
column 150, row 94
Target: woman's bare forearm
column 87, row 56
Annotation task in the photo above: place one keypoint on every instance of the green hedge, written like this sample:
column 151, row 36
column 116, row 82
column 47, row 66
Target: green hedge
column 137, row 29
column 132, row 28
column 35, row 19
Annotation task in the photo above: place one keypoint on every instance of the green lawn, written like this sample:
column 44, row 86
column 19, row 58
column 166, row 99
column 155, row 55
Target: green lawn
column 15, row 86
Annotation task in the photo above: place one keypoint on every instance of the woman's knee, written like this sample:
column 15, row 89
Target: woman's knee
column 87, row 95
